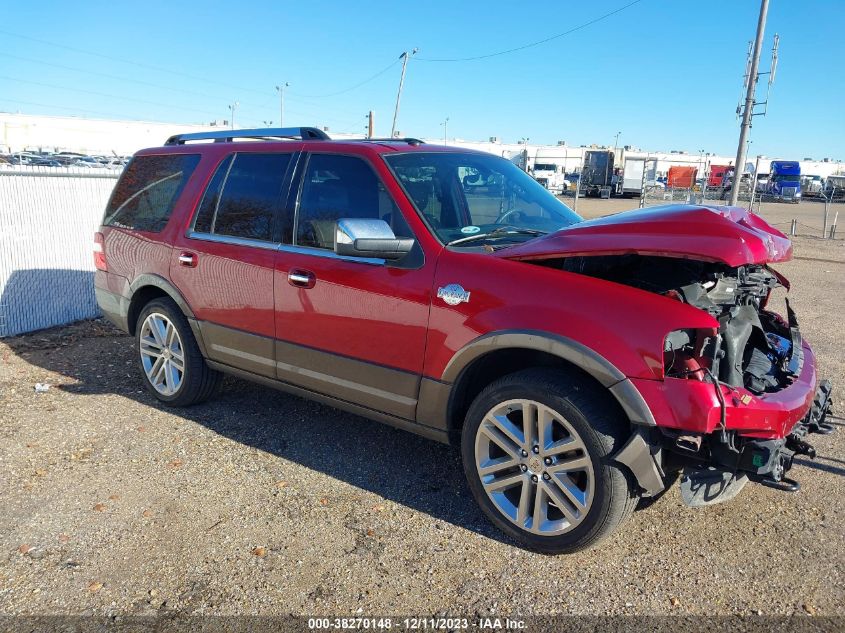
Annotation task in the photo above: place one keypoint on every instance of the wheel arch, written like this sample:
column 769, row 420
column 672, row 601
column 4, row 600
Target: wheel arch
column 496, row 354
column 147, row 287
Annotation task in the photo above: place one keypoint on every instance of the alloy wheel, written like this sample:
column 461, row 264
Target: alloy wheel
column 534, row 467
column 162, row 355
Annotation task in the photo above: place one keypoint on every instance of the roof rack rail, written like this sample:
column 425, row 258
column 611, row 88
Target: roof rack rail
column 409, row 140
column 227, row 136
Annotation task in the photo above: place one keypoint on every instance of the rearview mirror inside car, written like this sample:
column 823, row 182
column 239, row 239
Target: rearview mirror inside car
column 359, row 237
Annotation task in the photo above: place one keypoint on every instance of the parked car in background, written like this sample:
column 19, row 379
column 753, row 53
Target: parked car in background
column 85, row 161
column 22, row 158
column 579, row 365
column 46, row 162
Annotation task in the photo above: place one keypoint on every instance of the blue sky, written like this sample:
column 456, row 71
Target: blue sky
column 666, row 74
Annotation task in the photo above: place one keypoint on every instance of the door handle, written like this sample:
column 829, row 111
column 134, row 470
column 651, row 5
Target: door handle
column 188, row 259
column 301, row 278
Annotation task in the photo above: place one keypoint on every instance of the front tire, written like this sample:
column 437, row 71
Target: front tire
column 536, row 449
column 171, row 363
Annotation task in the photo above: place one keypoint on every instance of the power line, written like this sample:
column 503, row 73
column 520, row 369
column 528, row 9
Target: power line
column 129, row 61
column 119, row 78
column 351, row 88
column 244, row 105
column 66, row 108
column 242, row 88
column 186, row 75
column 532, row 44
column 104, row 94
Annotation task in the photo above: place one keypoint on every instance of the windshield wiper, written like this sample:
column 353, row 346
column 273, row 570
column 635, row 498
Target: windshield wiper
column 501, row 231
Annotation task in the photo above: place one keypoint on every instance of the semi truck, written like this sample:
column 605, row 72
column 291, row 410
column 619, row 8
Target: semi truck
column 551, row 176
column 597, row 176
column 834, row 187
column 812, row 186
column 681, row 177
column 785, row 180
column 717, row 175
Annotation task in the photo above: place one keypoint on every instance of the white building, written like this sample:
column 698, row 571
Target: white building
column 26, row 132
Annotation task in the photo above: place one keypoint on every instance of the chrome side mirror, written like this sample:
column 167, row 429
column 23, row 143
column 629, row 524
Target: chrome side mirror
column 359, row 237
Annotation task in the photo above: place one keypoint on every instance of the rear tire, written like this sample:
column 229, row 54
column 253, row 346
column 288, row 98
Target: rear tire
column 171, row 363
column 550, row 484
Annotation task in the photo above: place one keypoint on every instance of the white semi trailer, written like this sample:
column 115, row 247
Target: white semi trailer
column 638, row 172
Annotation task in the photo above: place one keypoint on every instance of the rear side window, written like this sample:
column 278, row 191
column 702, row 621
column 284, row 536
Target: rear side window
column 146, row 193
column 243, row 196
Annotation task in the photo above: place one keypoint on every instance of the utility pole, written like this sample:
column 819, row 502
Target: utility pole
column 281, row 89
column 370, row 124
column 444, row 129
column 404, row 57
column 616, row 146
column 232, row 108
column 749, row 102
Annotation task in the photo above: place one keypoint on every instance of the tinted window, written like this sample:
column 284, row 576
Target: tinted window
column 208, row 206
column 337, row 187
column 144, row 197
column 251, row 193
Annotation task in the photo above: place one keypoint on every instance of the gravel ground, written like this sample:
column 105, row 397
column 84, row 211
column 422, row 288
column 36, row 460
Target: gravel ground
column 263, row 503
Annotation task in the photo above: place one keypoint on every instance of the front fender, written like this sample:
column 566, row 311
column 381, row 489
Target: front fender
column 624, row 326
column 579, row 355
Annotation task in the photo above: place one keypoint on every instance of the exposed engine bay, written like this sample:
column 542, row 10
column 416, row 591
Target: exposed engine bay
column 753, row 348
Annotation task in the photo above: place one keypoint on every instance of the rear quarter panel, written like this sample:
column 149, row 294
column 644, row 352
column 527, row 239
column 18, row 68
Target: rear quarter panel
column 130, row 253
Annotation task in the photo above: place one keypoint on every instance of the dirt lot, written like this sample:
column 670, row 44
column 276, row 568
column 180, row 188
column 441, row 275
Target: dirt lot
column 263, row 503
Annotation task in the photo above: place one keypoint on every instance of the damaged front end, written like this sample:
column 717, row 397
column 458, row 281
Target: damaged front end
column 740, row 392
column 733, row 401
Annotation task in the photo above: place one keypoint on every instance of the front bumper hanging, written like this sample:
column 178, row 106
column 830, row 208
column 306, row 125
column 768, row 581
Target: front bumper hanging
column 768, row 461
column 762, row 461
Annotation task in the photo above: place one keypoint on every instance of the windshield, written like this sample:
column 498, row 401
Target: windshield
column 544, row 167
column 465, row 195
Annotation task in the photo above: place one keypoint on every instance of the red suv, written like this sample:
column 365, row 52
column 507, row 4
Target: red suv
column 580, row 365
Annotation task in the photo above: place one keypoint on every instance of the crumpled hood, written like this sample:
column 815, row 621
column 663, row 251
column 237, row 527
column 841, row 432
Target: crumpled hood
column 730, row 235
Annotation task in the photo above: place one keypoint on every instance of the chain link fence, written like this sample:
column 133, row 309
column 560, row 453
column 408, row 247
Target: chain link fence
column 815, row 216
column 48, row 216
